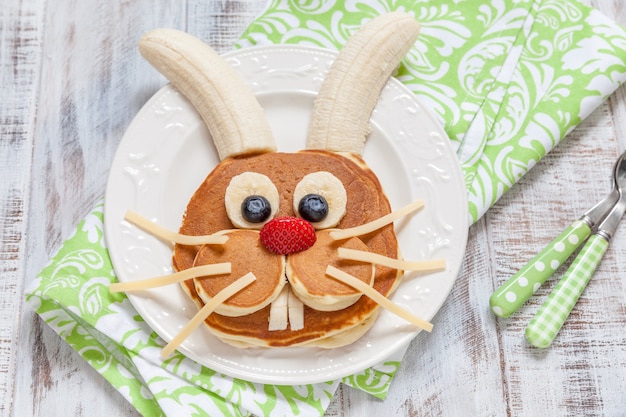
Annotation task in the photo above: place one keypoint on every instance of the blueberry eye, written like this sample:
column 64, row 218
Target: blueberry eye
column 256, row 209
column 320, row 197
column 313, row 208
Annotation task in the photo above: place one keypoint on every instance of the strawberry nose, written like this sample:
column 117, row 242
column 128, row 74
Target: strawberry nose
column 287, row 235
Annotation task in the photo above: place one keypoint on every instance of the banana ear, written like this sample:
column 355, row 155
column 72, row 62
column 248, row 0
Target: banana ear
column 350, row 91
column 225, row 103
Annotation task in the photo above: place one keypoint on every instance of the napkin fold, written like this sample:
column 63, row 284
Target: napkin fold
column 507, row 79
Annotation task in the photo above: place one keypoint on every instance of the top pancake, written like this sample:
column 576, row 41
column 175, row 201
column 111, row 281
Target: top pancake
column 268, row 269
column 206, row 214
column 308, row 279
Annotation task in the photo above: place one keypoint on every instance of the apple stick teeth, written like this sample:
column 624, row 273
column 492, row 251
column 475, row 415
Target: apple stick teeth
column 279, row 311
column 296, row 312
column 168, row 235
column 377, row 297
column 286, row 309
column 206, row 311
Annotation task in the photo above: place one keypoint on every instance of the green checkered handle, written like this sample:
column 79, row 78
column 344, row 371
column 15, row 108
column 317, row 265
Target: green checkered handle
column 517, row 289
column 544, row 327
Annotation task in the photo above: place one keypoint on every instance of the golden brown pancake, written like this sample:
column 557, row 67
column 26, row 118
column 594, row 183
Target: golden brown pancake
column 307, row 277
column 268, row 268
column 206, row 214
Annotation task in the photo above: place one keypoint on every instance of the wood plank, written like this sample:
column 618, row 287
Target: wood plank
column 93, row 82
column 20, row 37
column 221, row 23
column 581, row 380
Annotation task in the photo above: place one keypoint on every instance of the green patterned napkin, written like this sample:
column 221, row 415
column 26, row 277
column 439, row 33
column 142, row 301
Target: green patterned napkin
column 508, row 79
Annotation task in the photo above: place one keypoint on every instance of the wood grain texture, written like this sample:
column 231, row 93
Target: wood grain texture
column 20, row 37
column 91, row 82
column 71, row 82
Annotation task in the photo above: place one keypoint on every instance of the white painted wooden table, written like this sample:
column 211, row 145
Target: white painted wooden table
column 72, row 81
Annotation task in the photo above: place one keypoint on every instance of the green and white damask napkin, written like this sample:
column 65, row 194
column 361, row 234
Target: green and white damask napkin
column 507, row 79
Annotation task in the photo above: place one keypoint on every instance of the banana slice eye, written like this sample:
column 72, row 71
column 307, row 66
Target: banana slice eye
column 251, row 200
column 320, row 198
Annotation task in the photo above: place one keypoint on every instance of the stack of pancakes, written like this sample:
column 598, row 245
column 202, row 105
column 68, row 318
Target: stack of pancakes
column 243, row 319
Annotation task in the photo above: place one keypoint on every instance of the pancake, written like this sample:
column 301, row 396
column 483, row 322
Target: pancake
column 266, row 267
column 306, row 274
column 366, row 201
column 339, row 339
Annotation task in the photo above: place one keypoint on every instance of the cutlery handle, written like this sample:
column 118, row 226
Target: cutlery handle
column 550, row 317
column 514, row 292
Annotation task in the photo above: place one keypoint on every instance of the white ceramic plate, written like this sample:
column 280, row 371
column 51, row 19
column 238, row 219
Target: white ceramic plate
column 167, row 152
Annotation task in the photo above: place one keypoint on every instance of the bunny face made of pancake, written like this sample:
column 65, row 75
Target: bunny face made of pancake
column 293, row 221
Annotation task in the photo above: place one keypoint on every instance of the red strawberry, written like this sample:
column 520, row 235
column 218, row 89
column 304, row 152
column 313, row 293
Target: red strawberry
column 287, row 235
